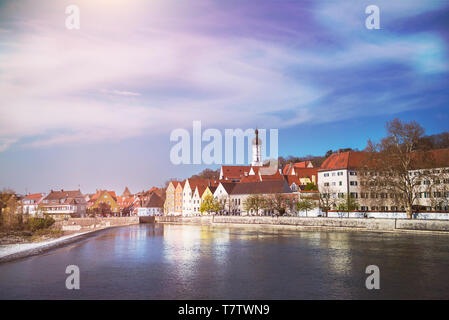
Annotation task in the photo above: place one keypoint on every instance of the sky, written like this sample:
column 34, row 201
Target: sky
column 94, row 108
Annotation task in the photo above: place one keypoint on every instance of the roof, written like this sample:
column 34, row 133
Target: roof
column 33, row 196
column 201, row 190
column 437, row 158
column 228, row 186
column 66, row 197
column 154, row 201
column 263, row 187
column 344, row 160
column 212, row 189
column 236, row 172
column 298, row 165
column 58, row 195
column 126, row 192
column 293, row 179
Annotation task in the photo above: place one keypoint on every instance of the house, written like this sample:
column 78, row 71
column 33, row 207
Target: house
column 30, row 203
column 126, row 204
column 241, row 191
column 170, row 198
column 190, row 201
column 64, row 204
column 104, row 197
column 153, row 206
column 338, row 178
column 303, row 171
column 341, row 173
column 179, row 198
column 223, row 194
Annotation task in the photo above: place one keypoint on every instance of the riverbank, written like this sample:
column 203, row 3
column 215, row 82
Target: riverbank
column 21, row 250
column 315, row 223
column 78, row 229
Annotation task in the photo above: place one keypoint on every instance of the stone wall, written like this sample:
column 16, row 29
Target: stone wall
column 76, row 224
column 314, row 222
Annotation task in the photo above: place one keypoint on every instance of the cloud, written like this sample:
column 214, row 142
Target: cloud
column 159, row 68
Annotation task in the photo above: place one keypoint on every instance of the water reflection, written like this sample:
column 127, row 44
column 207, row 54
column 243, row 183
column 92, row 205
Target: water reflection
column 221, row 262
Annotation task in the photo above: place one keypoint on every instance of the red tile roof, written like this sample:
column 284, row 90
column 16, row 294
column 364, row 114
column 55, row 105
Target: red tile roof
column 33, row 196
column 237, row 172
column 344, row 160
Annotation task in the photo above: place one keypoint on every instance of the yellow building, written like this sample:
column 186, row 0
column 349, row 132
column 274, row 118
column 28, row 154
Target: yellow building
column 104, row 196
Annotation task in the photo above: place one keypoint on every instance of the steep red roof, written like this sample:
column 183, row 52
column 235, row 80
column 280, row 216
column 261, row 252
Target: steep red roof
column 293, row 179
column 288, row 169
column 343, row 160
column 33, row 196
column 237, row 172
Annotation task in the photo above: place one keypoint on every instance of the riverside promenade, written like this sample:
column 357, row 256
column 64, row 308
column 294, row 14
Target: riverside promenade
column 317, row 223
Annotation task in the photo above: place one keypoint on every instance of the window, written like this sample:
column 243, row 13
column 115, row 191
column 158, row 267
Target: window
column 352, row 173
column 326, row 174
column 340, row 183
column 340, row 173
column 353, row 183
column 354, row 195
column 333, row 183
column 364, row 208
column 326, row 184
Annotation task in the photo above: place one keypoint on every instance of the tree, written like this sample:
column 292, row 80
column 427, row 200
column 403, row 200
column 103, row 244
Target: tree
column 327, row 199
column 276, row 202
column 310, row 187
column 209, row 204
column 104, row 209
column 348, row 204
column 254, row 202
column 304, row 205
column 9, row 205
column 394, row 168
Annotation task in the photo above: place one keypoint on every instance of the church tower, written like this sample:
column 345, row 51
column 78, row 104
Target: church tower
column 257, row 154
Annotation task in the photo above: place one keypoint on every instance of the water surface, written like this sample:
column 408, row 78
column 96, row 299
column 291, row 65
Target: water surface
column 211, row 262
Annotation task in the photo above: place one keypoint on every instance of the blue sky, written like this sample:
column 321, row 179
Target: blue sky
column 95, row 107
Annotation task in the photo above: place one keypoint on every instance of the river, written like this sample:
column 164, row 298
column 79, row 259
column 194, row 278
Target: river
column 155, row 261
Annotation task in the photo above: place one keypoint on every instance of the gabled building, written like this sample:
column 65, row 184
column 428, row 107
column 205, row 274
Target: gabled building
column 170, row 198
column 188, row 195
column 179, row 190
column 64, row 204
column 153, row 206
column 107, row 197
column 337, row 176
column 303, row 171
column 30, row 203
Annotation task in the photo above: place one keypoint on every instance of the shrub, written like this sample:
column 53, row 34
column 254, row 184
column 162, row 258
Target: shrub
column 40, row 223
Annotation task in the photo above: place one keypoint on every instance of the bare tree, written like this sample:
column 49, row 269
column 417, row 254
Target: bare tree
column 276, row 202
column 394, row 172
column 328, row 199
column 254, row 202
